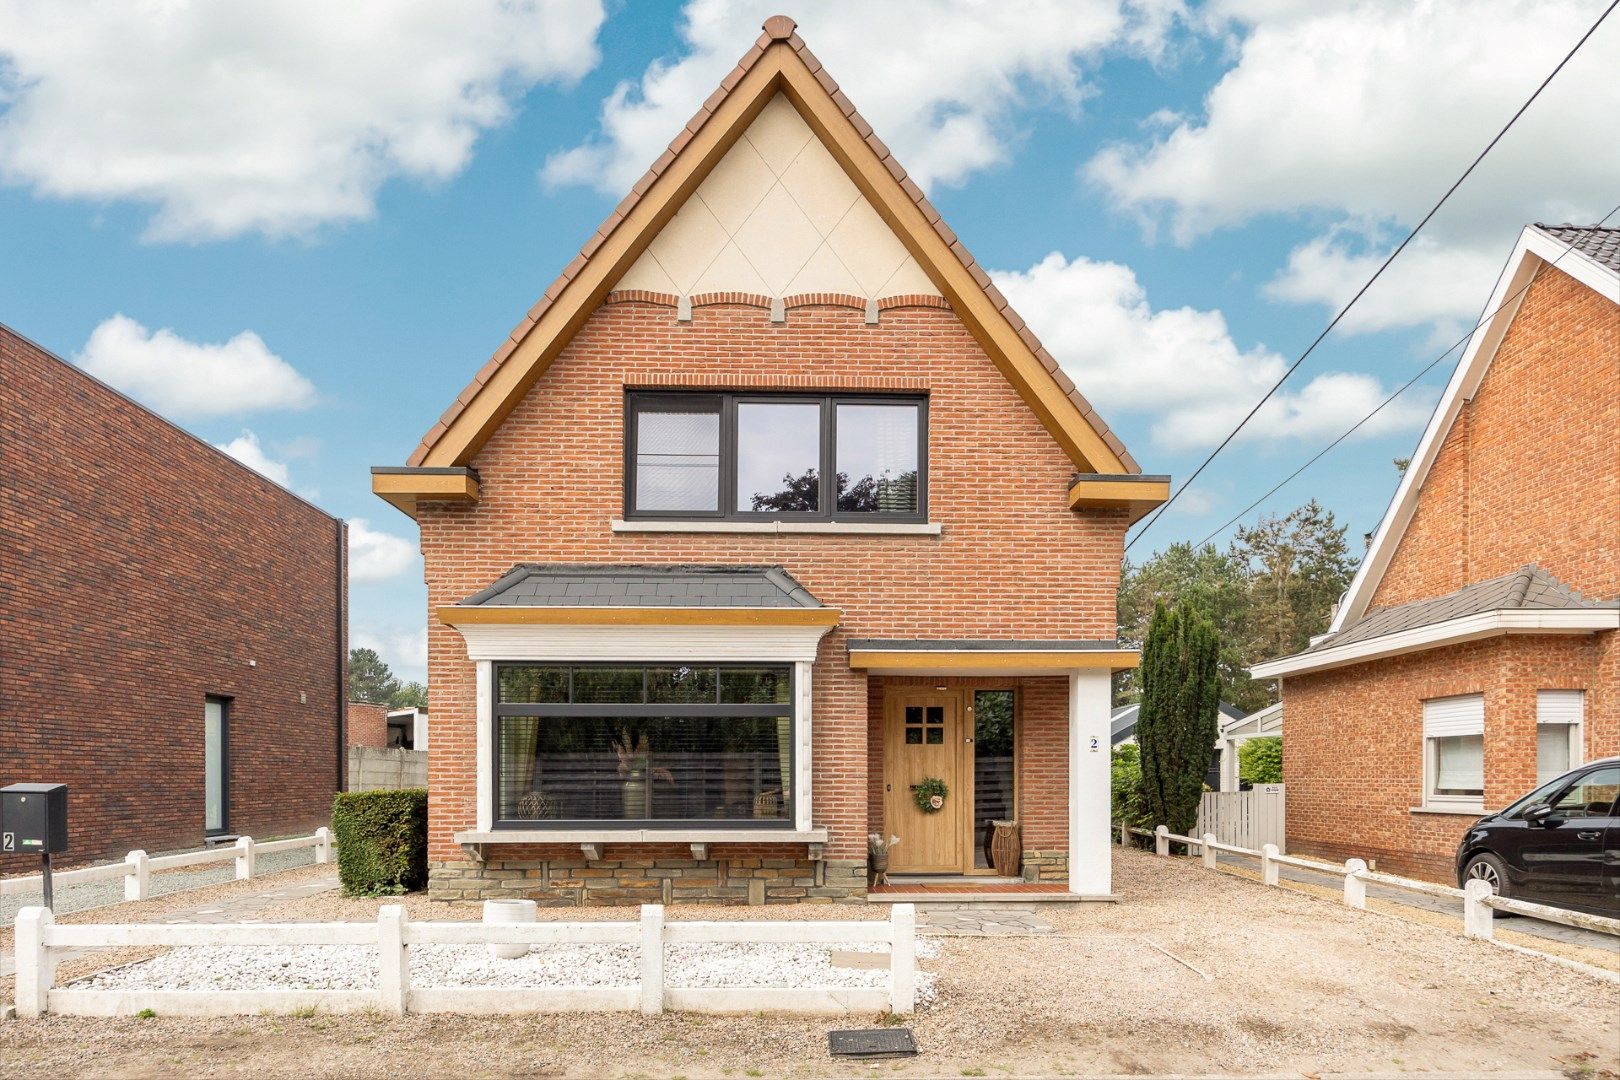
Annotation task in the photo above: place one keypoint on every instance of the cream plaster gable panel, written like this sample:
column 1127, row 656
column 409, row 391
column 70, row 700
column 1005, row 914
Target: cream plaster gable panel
column 778, row 216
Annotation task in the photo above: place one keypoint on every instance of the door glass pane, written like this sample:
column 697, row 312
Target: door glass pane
column 992, row 766
column 1459, row 765
column 778, row 457
column 678, row 459
column 877, row 458
column 214, row 765
column 1552, row 751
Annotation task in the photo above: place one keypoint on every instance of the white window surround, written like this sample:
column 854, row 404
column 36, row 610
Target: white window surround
column 487, row 643
column 781, row 528
column 1451, row 718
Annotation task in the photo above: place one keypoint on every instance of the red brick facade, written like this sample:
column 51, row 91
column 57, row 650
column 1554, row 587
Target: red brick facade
column 368, row 724
column 1529, row 473
column 140, row 571
column 1013, row 560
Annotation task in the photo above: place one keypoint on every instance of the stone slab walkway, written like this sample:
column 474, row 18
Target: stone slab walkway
column 981, row 920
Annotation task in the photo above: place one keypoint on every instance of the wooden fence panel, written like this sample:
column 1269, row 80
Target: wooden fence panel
column 1249, row 819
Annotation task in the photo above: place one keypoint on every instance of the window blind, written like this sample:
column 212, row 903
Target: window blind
column 1560, row 706
column 1463, row 715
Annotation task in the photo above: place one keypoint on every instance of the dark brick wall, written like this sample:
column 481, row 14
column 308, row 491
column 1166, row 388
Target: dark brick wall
column 141, row 570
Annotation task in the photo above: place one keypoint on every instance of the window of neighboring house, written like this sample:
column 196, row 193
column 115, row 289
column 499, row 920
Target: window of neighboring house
column 650, row 744
column 1559, row 714
column 1454, row 752
column 216, row 764
column 739, row 456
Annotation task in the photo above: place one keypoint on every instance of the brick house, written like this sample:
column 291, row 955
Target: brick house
column 1476, row 653
column 667, row 661
column 175, row 646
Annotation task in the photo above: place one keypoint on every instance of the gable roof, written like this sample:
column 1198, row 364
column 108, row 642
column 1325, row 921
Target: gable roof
column 778, row 62
column 1585, row 254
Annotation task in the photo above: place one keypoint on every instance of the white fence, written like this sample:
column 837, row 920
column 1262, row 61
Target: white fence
column 1479, row 901
column 1248, row 819
column 39, row 940
column 138, row 867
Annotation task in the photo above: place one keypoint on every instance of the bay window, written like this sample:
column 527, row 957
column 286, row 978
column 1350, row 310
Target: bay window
column 643, row 744
column 747, row 456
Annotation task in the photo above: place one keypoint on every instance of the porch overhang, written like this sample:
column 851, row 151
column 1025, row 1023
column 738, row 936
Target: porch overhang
column 991, row 657
column 403, row 488
column 1123, row 491
column 512, row 615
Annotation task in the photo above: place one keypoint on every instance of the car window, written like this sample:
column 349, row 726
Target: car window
column 1536, row 798
column 1591, row 796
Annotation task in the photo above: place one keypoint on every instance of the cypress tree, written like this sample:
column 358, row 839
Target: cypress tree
column 1176, row 727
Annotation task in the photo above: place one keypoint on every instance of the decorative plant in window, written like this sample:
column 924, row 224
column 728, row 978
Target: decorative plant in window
column 635, row 757
column 930, row 794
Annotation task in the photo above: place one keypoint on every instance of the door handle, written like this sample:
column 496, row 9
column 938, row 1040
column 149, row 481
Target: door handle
column 1590, row 834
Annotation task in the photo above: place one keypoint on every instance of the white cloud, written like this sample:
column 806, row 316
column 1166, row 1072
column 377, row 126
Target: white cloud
column 375, row 555
column 403, row 649
column 1180, row 365
column 184, row 379
column 246, row 449
column 1365, row 113
column 277, row 116
column 938, row 79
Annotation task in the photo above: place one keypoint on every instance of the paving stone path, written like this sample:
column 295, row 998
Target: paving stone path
column 981, row 920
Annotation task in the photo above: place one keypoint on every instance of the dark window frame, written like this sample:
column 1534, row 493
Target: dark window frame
column 788, row 709
column 224, row 764
column 728, row 400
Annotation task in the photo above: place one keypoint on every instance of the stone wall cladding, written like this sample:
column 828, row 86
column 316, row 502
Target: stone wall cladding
column 1354, row 758
column 1013, row 561
column 368, row 724
column 557, row 876
column 1046, row 865
column 140, row 570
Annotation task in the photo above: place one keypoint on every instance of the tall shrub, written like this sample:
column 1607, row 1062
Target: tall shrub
column 1176, row 726
column 1260, row 761
column 381, row 840
column 1125, row 771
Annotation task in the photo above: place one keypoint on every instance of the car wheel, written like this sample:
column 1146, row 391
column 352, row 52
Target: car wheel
column 1491, row 870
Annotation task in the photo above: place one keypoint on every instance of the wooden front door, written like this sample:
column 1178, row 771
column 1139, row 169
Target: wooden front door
column 923, row 737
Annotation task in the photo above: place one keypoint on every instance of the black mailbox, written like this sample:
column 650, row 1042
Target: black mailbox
column 33, row 819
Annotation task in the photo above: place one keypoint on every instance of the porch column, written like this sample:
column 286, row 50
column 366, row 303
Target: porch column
column 1090, row 853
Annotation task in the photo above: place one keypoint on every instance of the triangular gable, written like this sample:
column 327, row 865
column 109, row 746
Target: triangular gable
column 778, row 64
column 1536, row 249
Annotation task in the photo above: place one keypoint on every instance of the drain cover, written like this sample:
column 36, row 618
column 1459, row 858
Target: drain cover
column 872, row 1043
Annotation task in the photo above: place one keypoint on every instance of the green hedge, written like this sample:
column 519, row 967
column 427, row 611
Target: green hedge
column 1260, row 761
column 381, row 841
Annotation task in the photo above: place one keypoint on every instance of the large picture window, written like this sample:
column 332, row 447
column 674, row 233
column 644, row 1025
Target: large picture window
column 650, row 744
column 829, row 457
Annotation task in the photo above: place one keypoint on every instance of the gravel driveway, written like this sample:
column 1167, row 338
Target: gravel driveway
column 1298, row 984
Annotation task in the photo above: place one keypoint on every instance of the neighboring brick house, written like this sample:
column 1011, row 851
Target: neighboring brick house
column 368, row 724
column 174, row 623
column 667, row 661
column 1476, row 653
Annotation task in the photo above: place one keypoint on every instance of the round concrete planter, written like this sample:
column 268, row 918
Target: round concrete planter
column 508, row 911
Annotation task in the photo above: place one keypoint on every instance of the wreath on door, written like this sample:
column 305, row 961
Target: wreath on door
column 930, row 794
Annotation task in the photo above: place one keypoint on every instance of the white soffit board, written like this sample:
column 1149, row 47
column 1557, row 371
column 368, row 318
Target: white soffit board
column 1534, row 250
column 497, row 641
column 778, row 216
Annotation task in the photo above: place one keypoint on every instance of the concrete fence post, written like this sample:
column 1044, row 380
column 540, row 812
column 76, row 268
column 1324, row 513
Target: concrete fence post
column 244, row 858
column 1355, row 888
column 1124, row 834
column 323, row 845
column 1479, row 920
column 903, row 959
column 1209, row 851
column 138, row 878
column 1268, row 864
column 1161, row 840
column 36, row 967
column 393, row 961
column 652, row 959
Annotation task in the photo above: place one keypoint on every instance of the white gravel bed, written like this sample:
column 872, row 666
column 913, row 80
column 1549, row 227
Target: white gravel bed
column 354, row 967
column 94, row 894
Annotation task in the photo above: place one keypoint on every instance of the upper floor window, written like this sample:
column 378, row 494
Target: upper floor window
column 828, row 457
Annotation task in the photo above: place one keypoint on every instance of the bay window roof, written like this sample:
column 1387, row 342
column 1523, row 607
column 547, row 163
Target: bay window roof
column 644, row 586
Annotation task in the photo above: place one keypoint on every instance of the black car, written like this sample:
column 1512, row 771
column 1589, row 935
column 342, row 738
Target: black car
column 1560, row 844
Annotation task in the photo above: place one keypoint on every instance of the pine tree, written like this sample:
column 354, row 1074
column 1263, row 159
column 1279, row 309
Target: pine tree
column 1177, row 723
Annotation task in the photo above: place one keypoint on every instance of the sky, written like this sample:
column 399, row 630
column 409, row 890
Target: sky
column 297, row 229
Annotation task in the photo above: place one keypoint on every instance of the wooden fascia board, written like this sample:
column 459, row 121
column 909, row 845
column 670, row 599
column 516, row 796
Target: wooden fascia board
column 1017, row 362
column 1139, row 496
column 496, row 399
column 403, row 490
column 630, row 616
column 878, row 660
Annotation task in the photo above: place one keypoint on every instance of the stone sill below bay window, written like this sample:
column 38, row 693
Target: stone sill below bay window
column 591, row 841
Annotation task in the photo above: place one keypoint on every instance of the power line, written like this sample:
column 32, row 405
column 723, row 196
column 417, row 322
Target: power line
column 1403, row 388
column 1157, row 514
